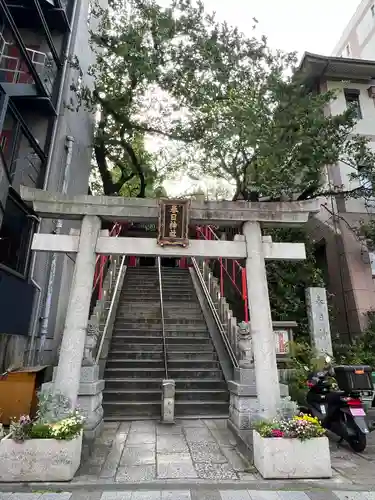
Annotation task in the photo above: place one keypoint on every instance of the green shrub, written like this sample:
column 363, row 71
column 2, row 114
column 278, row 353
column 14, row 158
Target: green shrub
column 40, row 431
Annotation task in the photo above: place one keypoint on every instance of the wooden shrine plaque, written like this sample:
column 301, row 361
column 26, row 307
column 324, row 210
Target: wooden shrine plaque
column 173, row 222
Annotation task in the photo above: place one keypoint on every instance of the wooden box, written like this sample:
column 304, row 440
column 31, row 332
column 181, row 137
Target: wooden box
column 18, row 393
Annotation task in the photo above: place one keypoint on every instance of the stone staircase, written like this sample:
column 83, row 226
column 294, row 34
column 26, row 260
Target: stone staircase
column 135, row 364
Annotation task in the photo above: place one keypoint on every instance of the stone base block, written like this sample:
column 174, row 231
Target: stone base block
column 244, row 440
column 39, row 460
column 91, row 434
column 279, row 458
column 245, row 376
column 91, row 388
column 88, row 404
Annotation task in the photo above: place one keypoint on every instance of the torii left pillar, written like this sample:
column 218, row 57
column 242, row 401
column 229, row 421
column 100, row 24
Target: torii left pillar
column 68, row 371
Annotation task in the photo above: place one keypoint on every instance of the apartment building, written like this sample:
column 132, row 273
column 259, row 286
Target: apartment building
column 44, row 144
column 339, row 249
column 358, row 38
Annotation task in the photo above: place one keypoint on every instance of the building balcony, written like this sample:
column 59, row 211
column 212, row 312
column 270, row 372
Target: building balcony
column 56, row 13
column 15, row 75
column 23, row 157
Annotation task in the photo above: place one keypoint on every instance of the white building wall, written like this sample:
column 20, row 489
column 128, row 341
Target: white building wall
column 359, row 34
column 365, row 126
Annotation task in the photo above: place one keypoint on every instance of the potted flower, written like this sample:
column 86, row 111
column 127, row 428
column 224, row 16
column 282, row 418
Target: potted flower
column 292, row 448
column 45, row 449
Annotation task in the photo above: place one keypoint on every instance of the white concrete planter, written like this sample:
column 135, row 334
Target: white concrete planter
column 280, row 458
column 39, row 459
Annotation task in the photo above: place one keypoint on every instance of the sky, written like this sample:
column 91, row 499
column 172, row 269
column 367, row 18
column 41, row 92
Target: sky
column 293, row 25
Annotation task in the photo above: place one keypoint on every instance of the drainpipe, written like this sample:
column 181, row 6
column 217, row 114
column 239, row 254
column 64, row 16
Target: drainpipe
column 59, row 104
column 52, row 272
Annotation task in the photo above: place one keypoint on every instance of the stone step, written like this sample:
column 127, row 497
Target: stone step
column 145, row 372
column 151, row 306
column 136, row 333
column 207, row 408
column 191, row 355
column 201, row 394
column 143, row 364
column 120, row 383
column 185, row 339
column 140, row 354
column 151, row 281
column 152, row 333
column 191, row 364
column 178, row 349
column 125, row 409
column 200, row 384
column 136, row 346
column 114, row 395
column 150, row 298
column 143, row 341
column 178, row 323
column 197, row 373
column 155, row 313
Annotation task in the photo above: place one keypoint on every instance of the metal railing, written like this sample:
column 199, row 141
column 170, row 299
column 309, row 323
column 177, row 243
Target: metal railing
column 110, row 311
column 217, row 319
column 162, row 318
column 101, row 262
column 16, row 70
column 232, row 272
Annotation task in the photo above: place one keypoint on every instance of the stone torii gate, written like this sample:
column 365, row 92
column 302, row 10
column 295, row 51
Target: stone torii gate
column 252, row 246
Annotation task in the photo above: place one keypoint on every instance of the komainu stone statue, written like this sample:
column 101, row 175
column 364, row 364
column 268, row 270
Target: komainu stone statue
column 92, row 336
column 245, row 348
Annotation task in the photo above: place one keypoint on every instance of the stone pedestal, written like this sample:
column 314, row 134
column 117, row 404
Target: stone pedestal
column 90, row 397
column 168, row 397
column 89, row 401
column 245, row 408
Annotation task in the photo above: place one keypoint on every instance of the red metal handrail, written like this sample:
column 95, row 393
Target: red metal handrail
column 208, row 233
column 101, row 261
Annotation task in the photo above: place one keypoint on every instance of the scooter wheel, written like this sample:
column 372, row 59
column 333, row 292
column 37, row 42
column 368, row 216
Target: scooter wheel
column 358, row 443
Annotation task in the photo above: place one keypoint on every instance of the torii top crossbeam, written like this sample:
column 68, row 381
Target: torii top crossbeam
column 116, row 208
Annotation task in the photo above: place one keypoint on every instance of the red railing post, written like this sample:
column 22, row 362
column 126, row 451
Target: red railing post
column 101, row 271
column 244, row 293
column 221, row 277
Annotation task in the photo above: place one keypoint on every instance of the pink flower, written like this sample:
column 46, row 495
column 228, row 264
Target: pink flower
column 277, row 433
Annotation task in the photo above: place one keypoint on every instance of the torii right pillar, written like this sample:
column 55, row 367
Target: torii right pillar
column 263, row 339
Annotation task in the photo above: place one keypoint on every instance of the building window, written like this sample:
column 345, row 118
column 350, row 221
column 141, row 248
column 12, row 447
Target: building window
column 372, row 263
column 352, row 101
column 15, row 236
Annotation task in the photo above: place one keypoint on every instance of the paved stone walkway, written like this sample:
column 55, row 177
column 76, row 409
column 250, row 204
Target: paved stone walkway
column 147, row 450
column 195, row 450
column 195, row 494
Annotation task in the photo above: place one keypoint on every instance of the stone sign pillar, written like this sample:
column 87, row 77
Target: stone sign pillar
column 167, row 406
column 262, row 335
column 317, row 313
column 68, row 371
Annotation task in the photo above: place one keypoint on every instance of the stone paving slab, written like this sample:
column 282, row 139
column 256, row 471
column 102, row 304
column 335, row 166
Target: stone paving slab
column 195, row 494
column 204, row 450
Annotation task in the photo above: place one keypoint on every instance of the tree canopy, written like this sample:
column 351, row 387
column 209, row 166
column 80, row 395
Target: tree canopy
column 221, row 104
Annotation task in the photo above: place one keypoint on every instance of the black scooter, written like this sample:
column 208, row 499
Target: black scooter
column 339, row 411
